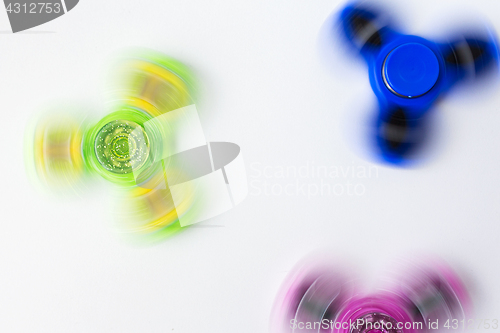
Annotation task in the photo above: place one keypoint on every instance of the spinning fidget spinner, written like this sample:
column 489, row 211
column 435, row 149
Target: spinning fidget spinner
column 409, row 73
column 152, row 146
column 321, row 299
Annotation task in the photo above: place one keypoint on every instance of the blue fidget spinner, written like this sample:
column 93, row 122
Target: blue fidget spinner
column 409, row 73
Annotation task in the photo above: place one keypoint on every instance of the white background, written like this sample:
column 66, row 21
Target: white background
column 266, row 87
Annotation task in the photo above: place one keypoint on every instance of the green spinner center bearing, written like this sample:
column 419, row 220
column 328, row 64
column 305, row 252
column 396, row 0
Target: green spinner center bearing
column 121, row 146
column 118, row 144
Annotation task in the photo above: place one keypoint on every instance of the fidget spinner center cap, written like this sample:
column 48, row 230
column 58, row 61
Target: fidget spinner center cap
column 376, row 323
column 121, row 146
column 410, row 70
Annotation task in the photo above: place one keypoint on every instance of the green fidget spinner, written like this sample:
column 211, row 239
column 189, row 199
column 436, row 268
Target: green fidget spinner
column 121, row 146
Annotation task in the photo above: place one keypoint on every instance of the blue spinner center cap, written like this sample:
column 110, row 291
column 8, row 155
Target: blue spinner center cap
column 410, row 70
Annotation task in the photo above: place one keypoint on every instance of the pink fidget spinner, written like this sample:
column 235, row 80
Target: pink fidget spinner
column 322, row 299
